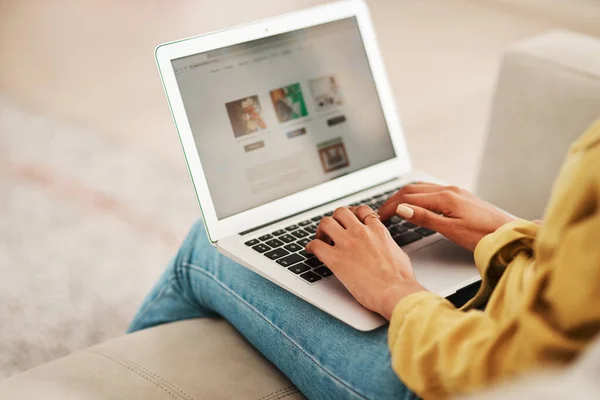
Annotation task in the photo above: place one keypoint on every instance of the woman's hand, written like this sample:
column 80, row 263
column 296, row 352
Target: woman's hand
column 365, row 258
column 451, row 211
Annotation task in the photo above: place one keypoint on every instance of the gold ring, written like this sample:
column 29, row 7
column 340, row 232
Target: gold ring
column 371, row 214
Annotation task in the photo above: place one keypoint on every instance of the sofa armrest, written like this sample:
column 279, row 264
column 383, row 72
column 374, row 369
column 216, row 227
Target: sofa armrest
column 195, row 359
column 548, row 93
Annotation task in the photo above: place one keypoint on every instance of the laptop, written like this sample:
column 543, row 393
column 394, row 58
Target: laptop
column 284, row 120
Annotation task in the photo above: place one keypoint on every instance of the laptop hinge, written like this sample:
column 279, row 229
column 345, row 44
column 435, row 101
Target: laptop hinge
column 303, row 211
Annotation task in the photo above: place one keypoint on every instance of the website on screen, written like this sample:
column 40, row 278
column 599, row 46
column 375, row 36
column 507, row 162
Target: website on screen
column 275, row 116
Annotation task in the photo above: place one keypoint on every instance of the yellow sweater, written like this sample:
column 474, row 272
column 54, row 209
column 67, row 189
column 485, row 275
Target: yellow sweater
column 542, row 284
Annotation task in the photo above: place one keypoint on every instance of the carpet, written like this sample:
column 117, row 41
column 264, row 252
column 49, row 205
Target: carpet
column 87, row 224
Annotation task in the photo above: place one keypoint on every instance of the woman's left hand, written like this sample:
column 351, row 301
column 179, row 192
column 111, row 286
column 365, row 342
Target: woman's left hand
column 365, row 258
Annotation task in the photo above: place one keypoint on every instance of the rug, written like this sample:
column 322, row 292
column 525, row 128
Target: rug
column 87, row 224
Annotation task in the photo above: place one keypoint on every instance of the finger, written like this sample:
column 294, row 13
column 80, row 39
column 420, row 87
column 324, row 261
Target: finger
column 366, row 215
column 423, row 217
column 345, row 217
column 322, row 250
column 388, row 209
column 420, row 187
column 329, row 228
column 440, row 202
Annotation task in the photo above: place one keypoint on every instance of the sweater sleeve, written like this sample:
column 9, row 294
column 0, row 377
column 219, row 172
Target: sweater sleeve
column 543, row 310
column 495, row 251
column 438, row 350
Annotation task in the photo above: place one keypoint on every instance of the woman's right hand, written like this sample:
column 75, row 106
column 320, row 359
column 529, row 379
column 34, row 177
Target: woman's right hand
column 454, row 212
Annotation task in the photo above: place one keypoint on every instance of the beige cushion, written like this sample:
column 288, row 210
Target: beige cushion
column 548, row 93
column 195, row 359
column 577, row 381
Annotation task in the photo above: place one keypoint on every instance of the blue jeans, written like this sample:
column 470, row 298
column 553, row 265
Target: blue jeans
column 322, row 356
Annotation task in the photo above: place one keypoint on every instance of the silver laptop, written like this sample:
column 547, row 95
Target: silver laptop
column 281, row 122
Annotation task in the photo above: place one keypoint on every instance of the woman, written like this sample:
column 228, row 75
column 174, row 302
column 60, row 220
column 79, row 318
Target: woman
column 541, row 285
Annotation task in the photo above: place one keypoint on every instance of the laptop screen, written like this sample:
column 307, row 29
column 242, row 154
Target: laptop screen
column 278, row 115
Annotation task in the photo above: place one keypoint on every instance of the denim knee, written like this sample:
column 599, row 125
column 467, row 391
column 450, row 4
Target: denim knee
column 195, row 238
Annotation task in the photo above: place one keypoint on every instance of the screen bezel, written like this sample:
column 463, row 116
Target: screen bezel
column 307, row 198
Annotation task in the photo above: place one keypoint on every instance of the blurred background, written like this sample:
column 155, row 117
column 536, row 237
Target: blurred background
column 94, row 192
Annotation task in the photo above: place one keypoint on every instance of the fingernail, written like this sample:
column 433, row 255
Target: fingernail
column 405, row 211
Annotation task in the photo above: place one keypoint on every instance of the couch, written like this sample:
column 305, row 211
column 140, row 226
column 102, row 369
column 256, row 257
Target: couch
column 548, row 91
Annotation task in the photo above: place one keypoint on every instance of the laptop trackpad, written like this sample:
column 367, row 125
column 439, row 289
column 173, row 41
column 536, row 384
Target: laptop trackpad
column 443, row 267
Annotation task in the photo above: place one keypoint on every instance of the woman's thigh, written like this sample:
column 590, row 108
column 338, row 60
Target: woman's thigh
column 324, row 357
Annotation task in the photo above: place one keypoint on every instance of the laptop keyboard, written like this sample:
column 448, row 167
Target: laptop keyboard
column 286, row 246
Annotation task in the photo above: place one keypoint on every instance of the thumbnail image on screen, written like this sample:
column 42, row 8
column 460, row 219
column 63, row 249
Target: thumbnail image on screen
column 284, row 113
column 326, row 93
column 289, row 103
column 244, row 115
